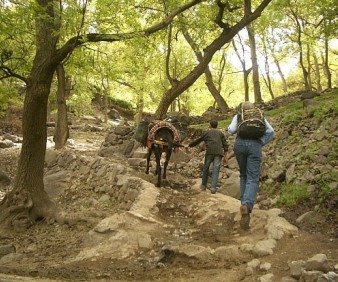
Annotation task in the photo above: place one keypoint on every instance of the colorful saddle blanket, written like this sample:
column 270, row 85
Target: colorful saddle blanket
column 161, row 124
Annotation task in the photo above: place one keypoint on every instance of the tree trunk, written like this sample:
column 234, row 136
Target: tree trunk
column 308, row 58
column 222, row 104
column 139, row 109
column 267, row 70
column 326, row 65
column 279, row 70
column 61, row 129
column 255, row 72
column 299, row 42
column 318, row 78
column 246, row 83
column 301, row 62
column 105, row 108
column 28, row 200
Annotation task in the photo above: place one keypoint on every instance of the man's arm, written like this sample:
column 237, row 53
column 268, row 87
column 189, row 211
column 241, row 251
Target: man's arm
column 269, row 133
column 232, row 129
column 197, row 141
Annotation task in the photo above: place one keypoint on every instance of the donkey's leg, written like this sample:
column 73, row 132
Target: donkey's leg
column 148, row 160
column 167, row 158
column 158, row 155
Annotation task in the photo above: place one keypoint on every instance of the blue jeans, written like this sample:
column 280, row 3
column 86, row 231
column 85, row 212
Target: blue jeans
column 216, row 161
column 249, row 156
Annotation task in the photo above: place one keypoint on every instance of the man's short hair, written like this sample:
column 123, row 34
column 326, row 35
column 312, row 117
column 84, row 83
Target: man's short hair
column 213, row 124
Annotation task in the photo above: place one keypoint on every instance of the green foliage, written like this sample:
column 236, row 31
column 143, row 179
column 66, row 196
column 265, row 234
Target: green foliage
column 121, row 103
column 292, row 194
column 3, row 104
column 80, row 104
column 327, row 105
column 290, row 114
column 269, row 190
column 9, row 95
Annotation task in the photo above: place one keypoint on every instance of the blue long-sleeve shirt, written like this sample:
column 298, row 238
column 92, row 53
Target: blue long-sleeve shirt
column 267, row 137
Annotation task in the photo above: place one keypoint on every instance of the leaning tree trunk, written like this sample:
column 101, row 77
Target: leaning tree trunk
column 279, row 70
column 61, row 129
column 222, row 104
column 226, row 36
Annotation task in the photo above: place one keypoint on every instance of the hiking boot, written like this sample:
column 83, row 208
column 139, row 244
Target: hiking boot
column 213, row 190
column 245, row 219
column 203, row 188
column 244, row 209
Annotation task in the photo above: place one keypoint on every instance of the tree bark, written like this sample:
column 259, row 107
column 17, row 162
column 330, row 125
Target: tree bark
column 327, row 71
column 308, row 58
column 255, row 71
column 318, row 77
column 28, row 200
column 61, row 129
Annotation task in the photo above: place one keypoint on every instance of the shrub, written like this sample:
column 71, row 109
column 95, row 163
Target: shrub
column 121, row 103
column 292, row 195
column 80, row 104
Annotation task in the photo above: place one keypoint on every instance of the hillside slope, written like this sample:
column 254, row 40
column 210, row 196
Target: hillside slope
column 302, row 172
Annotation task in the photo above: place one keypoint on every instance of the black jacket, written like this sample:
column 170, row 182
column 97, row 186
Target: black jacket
column 214, row 140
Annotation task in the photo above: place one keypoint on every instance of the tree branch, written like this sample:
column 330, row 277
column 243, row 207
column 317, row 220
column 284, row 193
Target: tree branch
column 78, row 40
column 9, row 73
column 221, row 8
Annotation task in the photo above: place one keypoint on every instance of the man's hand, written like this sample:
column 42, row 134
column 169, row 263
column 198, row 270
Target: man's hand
column 225, row 159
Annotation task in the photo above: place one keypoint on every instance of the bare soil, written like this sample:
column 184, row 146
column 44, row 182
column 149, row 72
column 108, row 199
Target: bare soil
column 45, row 247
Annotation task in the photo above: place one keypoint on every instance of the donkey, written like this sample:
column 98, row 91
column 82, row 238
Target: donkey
column 162, row 137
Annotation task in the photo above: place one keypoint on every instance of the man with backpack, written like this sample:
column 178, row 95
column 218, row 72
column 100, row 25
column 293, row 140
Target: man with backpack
column 253, row 132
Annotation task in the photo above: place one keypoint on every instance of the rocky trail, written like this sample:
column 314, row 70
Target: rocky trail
column 120, row 227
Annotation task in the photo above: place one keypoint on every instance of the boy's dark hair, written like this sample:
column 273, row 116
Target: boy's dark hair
column 213, row 124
